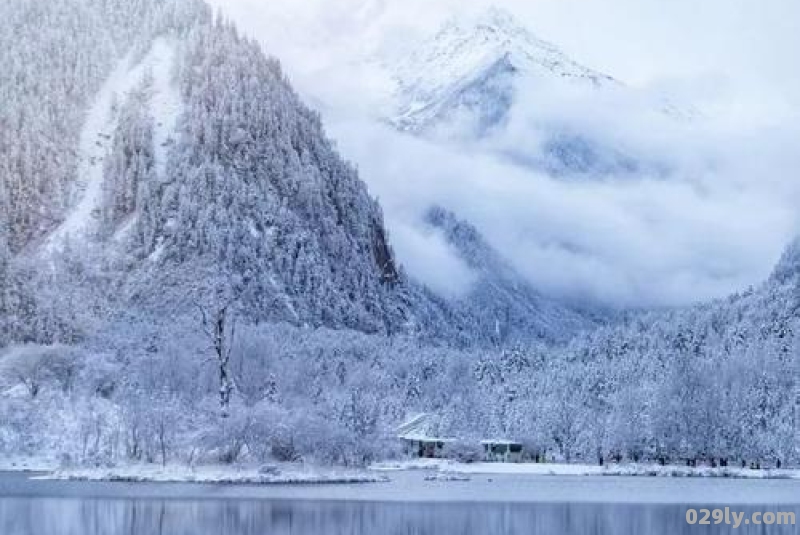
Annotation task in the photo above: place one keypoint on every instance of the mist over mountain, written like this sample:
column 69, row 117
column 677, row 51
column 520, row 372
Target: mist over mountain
column 499, row 296
column 570, row 173
column 640, row 169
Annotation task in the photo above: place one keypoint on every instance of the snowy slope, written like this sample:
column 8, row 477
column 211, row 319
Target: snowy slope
column 96, row 135
column 485, row 54
column 165, row 104
column 501, row 300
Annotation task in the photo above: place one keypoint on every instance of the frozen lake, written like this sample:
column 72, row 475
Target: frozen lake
column 486, row 505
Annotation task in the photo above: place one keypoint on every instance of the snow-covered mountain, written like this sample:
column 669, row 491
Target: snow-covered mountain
column 466, row 82
column 469, row 69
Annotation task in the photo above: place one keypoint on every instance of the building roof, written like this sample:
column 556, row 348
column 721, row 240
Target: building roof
column 420, row 438
column 501, row 441
column 422, row 427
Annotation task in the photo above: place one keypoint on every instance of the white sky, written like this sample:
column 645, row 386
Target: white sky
column 749, row 47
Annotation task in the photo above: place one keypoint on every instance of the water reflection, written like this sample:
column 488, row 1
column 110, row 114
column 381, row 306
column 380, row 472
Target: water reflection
column 21, row 516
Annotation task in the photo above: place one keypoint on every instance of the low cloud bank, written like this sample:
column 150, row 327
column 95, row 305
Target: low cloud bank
column 714, row 224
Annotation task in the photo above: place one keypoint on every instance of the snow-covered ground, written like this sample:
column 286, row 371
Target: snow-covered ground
column 28, row 464
column 532, row 469
column 97, row 134
column 166, row 103
column 435, row 470
column 231, row 475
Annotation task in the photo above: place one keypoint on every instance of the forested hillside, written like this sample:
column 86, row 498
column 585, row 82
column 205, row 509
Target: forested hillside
column 55, row 56
column 717, row 381
column 252, row 193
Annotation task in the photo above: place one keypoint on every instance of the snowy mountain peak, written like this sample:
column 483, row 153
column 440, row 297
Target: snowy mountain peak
column 493, row 21
column 497, row 32
column 471, row 63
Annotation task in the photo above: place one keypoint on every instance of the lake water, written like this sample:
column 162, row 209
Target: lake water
column 408, row 506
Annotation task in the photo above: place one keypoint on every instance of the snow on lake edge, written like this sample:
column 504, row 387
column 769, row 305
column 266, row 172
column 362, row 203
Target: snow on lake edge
column 544, row 469
column 218, row 474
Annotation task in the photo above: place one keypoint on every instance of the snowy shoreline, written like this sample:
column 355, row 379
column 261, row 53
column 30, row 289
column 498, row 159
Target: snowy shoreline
column 400, row 482
column 277, row 474
column 298, row 474
column 446, row 467
column 220, row 475
column 28, row 465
